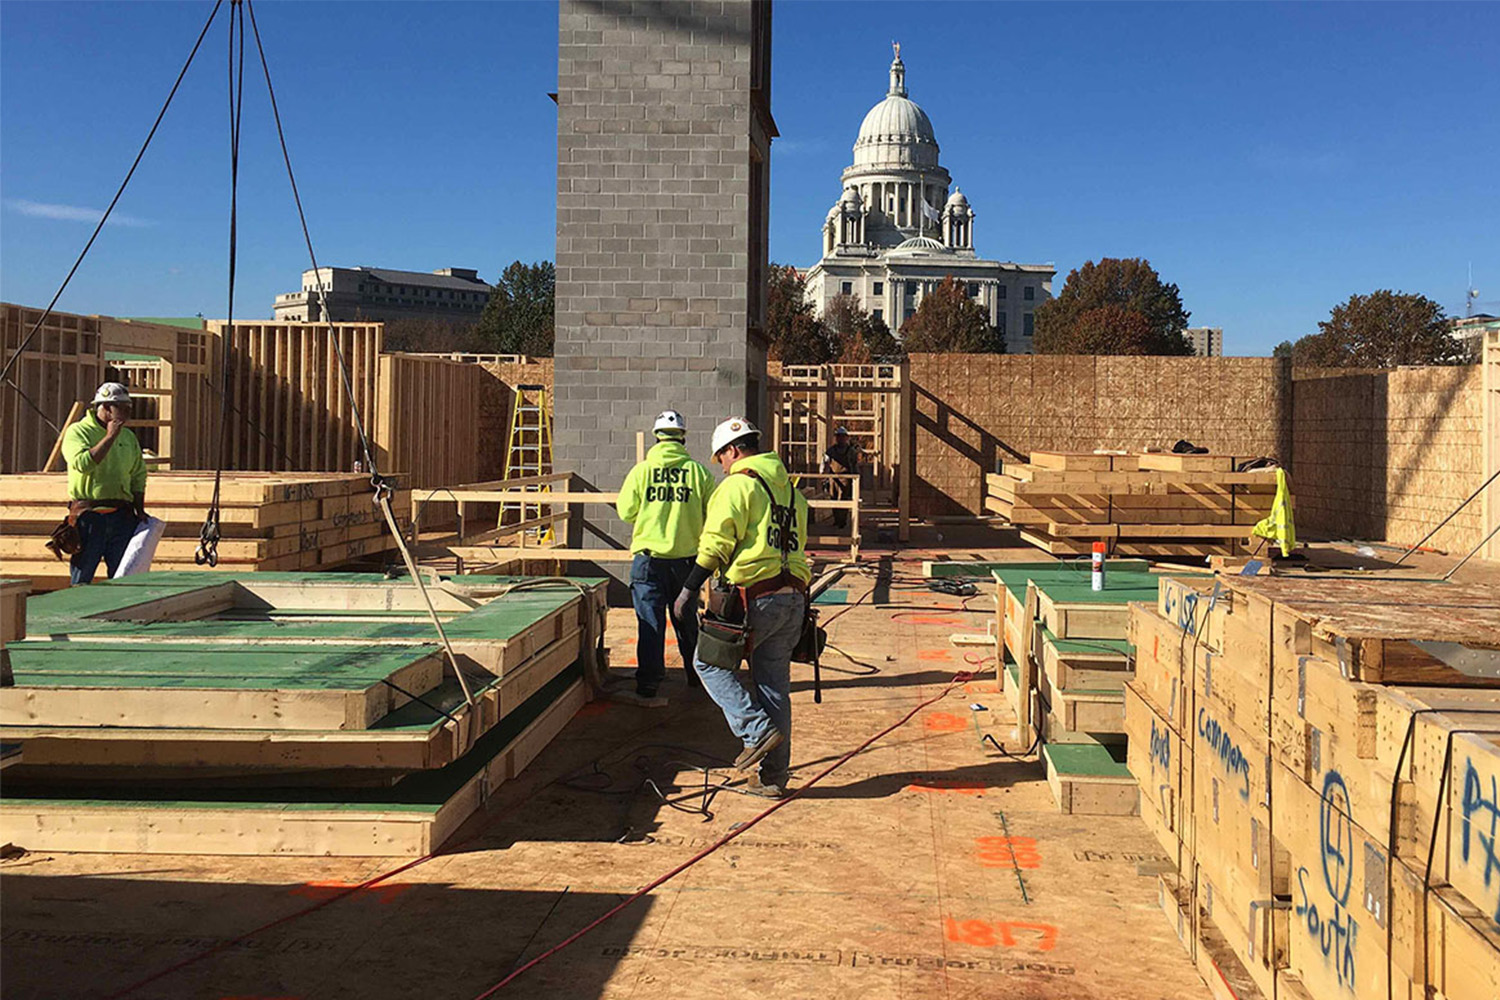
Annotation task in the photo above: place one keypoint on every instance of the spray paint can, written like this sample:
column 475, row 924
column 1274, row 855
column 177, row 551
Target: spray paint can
column 1098, row 559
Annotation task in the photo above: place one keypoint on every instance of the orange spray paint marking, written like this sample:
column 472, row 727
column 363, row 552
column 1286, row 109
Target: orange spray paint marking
column 333, row 887
column 958, row 786
column 1008, row 852
column 945, row 722
column 929, row 620
column 934, row 654
column 1000, row 933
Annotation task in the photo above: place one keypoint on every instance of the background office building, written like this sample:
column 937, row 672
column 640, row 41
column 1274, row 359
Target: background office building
column 1207, row 341
column 455, row 294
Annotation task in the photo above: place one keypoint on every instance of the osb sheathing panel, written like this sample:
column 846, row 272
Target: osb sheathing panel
column 1390, row 454
column 973, row 410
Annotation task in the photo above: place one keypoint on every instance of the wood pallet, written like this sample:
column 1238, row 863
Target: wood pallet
column 269, row 521
column 270, row 704
column 1152, row 505
column 1301, row 745
column 410, row 819
column 1064, row 668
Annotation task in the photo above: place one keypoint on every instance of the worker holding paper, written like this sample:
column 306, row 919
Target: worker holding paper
column 106, row 485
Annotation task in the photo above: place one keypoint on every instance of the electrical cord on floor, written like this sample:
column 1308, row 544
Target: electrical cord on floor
column 958, row 678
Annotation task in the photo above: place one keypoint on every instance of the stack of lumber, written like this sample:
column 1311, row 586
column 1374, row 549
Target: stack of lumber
column 310, row 714
column 270, row 521
column 1155, row 505
column 1321, row 759
column 1064, row 662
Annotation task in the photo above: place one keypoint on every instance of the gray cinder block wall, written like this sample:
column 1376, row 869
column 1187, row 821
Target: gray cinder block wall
column 663, row 154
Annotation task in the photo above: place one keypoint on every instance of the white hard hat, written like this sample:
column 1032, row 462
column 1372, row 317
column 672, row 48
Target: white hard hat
column 670, row 420
column 731, row 431
column 111, row 392
column 841, row 430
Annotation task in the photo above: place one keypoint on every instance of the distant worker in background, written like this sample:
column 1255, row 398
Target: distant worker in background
column 842, row 457
column 664, row 498
column 755, row 535
column 106, row 482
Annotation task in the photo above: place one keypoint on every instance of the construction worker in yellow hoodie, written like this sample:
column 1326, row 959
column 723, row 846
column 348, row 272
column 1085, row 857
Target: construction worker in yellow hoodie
column 664, row 498
column 754, row 535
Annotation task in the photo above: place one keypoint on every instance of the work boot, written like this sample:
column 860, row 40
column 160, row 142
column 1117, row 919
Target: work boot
column 754, row 754
column 694, row 682
column 765, row 790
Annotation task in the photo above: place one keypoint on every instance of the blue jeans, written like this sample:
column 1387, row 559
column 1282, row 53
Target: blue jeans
column 654, row 585
column 753, row 711
column 104, row 536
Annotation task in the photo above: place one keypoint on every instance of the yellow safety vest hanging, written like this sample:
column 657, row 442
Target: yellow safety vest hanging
column 1278, row 527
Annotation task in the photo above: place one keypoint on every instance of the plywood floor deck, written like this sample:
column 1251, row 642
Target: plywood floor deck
column 931, row 866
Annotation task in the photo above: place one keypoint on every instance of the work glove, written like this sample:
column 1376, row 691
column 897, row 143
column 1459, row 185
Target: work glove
column 683, row 603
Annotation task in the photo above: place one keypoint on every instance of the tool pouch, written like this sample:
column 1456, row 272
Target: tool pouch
column 66, row 539
column 721, row 643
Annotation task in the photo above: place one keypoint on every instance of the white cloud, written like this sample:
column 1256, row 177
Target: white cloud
column 70, row 213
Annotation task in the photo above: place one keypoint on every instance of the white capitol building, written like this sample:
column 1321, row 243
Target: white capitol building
column 897, row 231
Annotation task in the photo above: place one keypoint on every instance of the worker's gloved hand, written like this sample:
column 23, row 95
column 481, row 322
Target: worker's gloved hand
column 683, row 602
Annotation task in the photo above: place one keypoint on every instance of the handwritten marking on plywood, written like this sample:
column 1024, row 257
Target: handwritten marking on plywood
column 1001, row 933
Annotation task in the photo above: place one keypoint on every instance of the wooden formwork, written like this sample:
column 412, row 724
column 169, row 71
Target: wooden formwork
column 289, row 405
column 63, row 365
column 426, row 421
column 808, row 402
column 68, row 360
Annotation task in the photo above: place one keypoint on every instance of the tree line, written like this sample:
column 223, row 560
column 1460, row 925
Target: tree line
column 517, row 319
column 1110, row 306
column 1115, row 306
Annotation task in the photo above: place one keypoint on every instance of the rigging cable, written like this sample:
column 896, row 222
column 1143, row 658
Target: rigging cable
column 381, row 485
column 207, row 553
column 10, row 362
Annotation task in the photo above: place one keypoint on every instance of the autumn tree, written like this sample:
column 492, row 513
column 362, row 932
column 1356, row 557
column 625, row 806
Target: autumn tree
column 519, row 317
column 1117, row 306
column 1382, row 330
column 796, row 335
column 858, row 337
column 445, row 336
column 949, row 322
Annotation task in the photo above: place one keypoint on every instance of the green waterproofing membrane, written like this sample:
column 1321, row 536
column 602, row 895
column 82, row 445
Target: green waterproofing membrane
column 210, row 667
column 75, row 611
column 1088, row 760
column 1072, row 583
column 982, row 570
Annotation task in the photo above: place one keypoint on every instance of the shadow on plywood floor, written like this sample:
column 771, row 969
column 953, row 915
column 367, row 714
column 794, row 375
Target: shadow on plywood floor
column 95, row 936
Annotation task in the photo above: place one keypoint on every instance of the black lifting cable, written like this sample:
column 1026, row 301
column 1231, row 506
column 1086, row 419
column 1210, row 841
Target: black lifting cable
column 208, row 536
column 10, row 362
column 379, row 483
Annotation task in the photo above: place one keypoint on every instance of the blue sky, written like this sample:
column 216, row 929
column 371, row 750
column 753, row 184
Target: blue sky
column 1271, row 159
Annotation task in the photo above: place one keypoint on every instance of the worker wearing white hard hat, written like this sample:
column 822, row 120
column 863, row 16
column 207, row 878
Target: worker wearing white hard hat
column 754, row 535
column 664, row 498
column 106, row 484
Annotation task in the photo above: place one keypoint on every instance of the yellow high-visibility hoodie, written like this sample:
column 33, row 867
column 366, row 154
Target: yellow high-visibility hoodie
column 739, row 535
column 122, row 474
column 665, row 497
